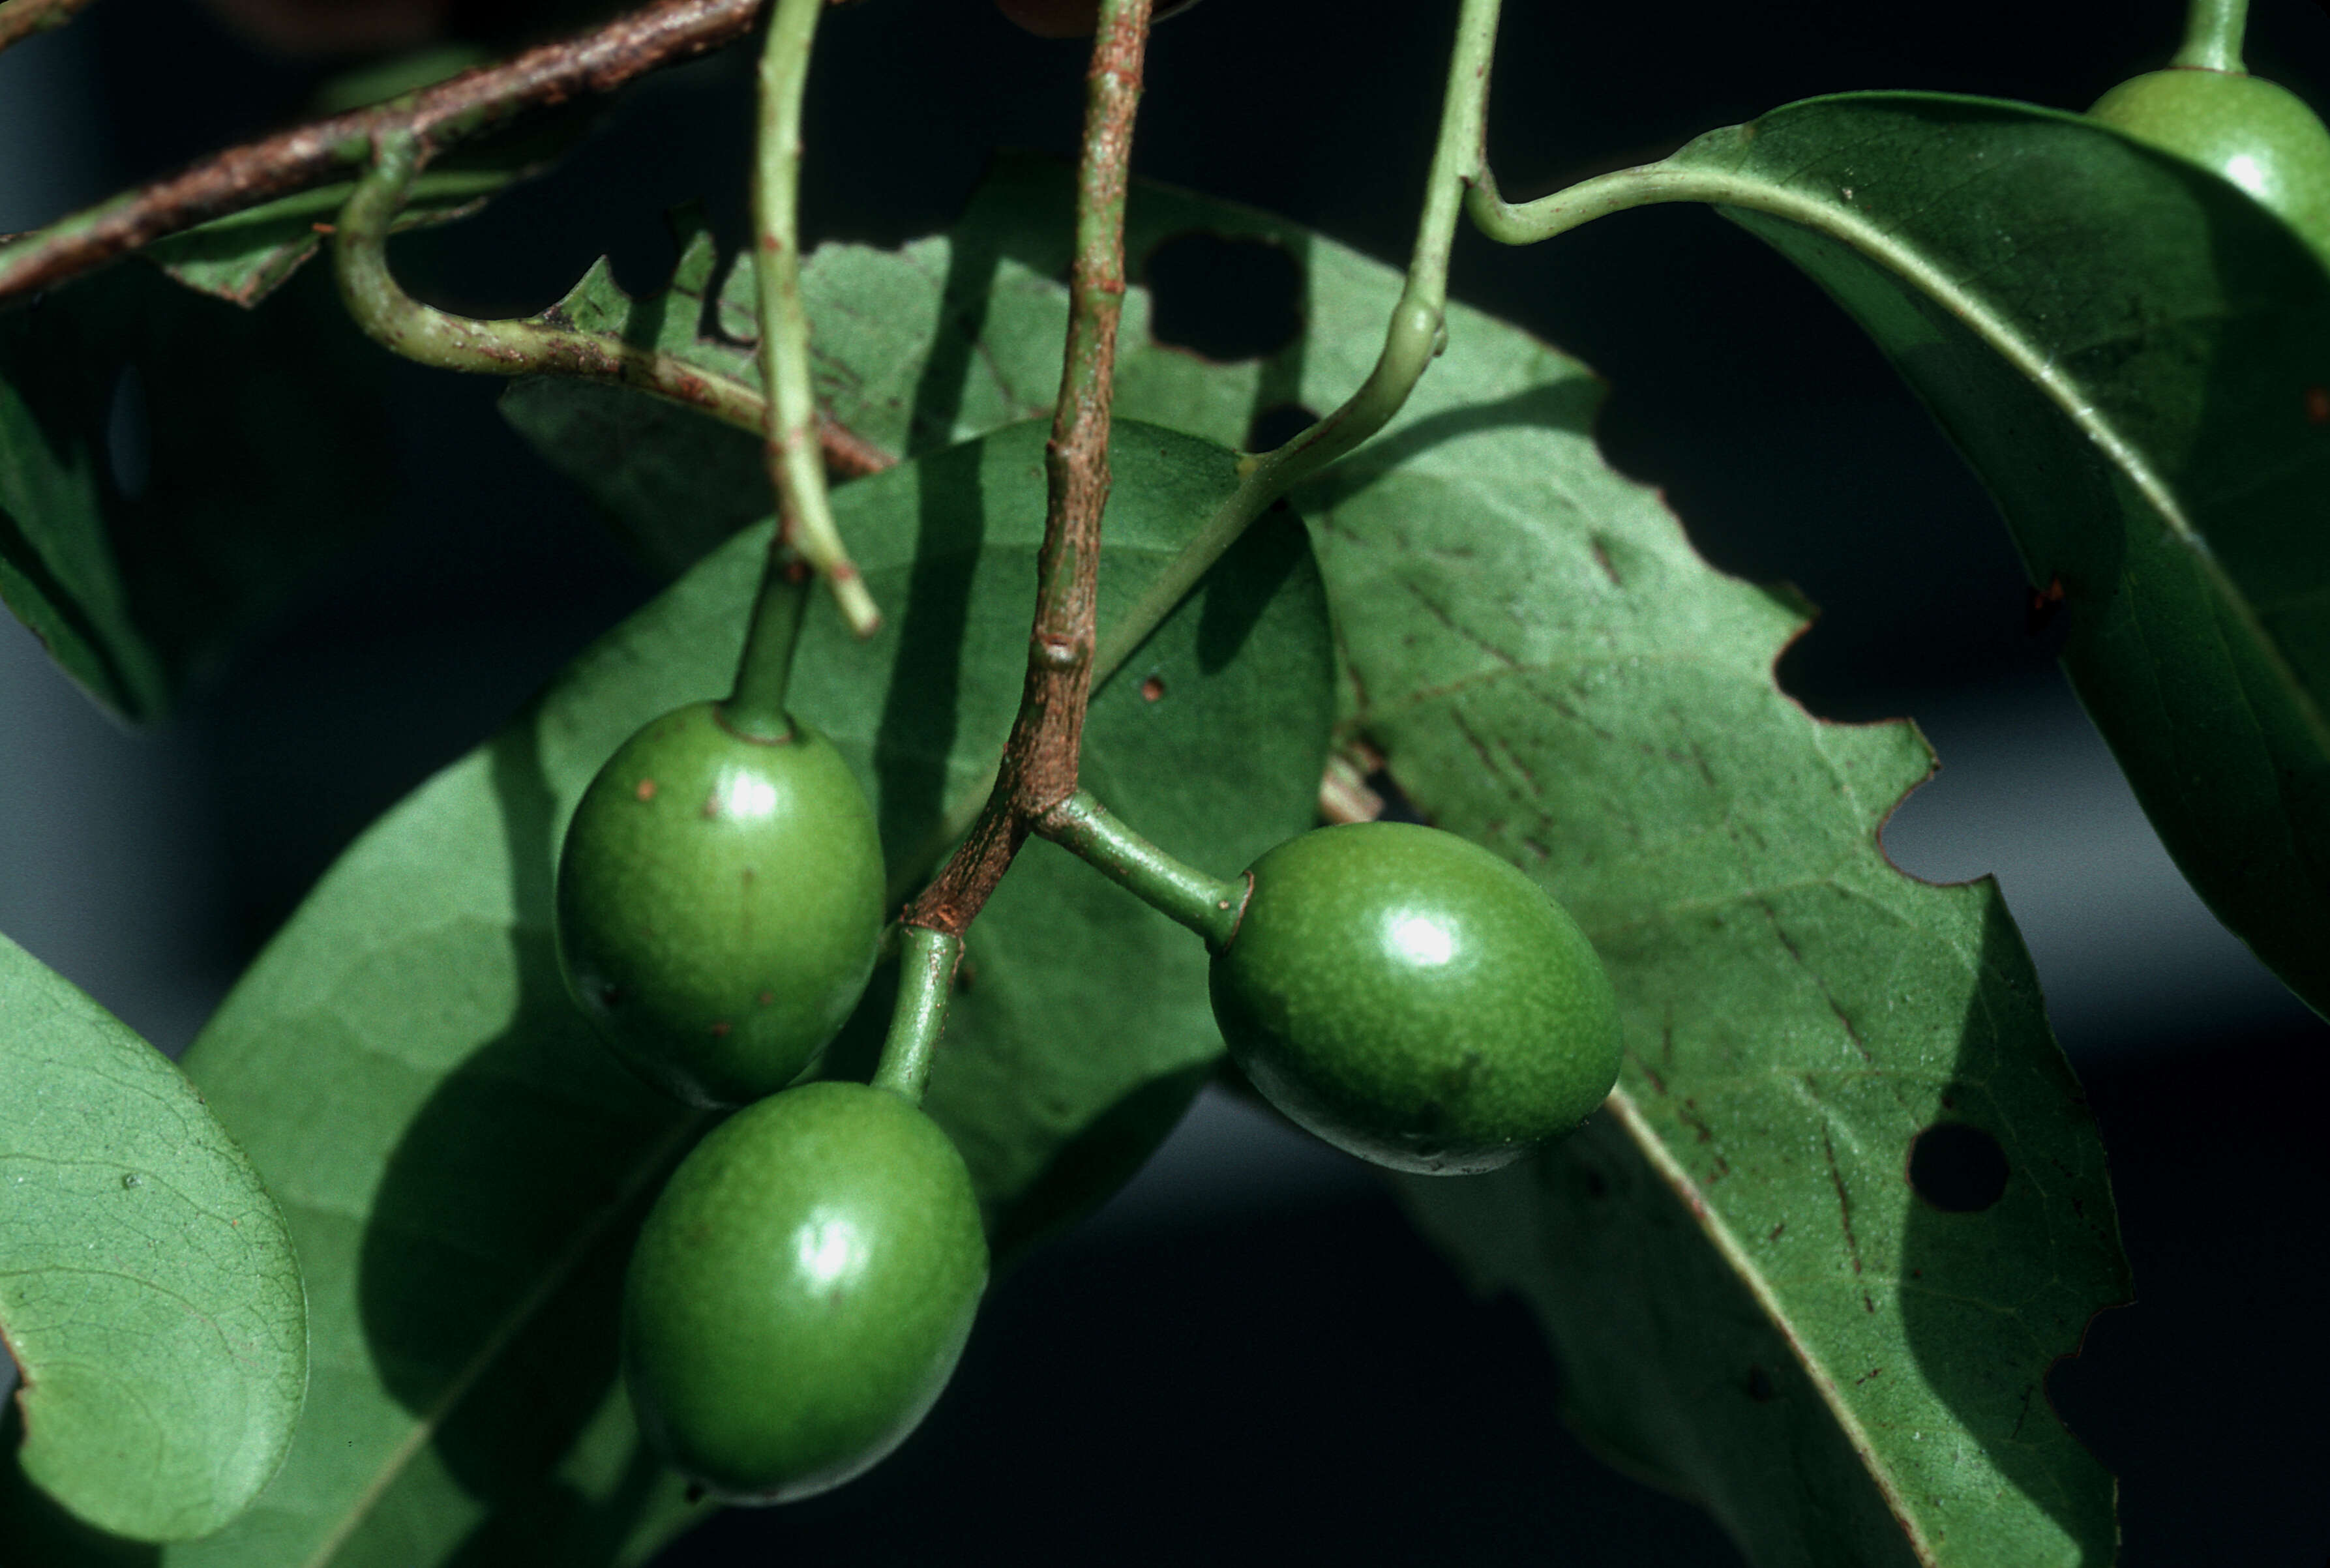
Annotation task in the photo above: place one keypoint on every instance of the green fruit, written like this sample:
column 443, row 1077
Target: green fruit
column 719, row 903
column 1411, row 999
column 800, row 1292
column 2260, row 137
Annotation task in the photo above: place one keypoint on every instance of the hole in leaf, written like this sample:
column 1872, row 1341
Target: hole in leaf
column 128, row 435
column 1277, row 425
column 1956, row 1169
column 1225, row 299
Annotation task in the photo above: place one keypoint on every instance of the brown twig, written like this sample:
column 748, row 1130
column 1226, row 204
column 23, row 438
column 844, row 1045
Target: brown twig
column 1039, row 771
column 19, row 19
column 663, row 33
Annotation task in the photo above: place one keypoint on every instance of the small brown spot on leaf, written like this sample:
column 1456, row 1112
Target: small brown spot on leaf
column 720, row 1030
column 646, row 791
column 712, row 809
column 1151, row 689
column 766, row 997
column 2318, row 405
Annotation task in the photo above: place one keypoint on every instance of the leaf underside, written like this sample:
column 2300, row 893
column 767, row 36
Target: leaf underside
column 462, row 1165
column 2135, row 358
column 147, row 1287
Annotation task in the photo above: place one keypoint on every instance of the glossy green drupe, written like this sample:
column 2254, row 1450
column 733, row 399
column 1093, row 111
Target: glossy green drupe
column 800, row 1291
column 2260, row 136
column 1408, row 996
column 719, row 905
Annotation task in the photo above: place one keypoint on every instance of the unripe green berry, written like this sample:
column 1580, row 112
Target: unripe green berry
column 719, row 905
column 1413, row 999
column 800, row 1292
column 2260, row 136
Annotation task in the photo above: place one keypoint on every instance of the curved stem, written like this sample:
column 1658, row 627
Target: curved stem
column 926, row 967
column 1182, row 894
column 19, row 19
column 1615, row 192
column 433, row 336
column 796, row 468
column 2213, row 30
column 1411, row 342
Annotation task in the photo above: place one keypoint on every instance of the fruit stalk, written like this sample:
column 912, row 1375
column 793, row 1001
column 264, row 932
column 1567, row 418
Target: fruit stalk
column 926, row 967
column 2212, row 34
column 796, row 469
column 600, row 60
column 1038, row 769
column 1205, row 904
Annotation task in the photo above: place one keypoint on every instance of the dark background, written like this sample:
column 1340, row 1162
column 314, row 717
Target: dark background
column 1249, row 1358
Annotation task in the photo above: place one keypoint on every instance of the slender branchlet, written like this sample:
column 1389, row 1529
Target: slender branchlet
column 1038, row 770
column 19, row 19
column 1414, row 338
column 436, row 337
column 600, row 60
column 805, row 525
column 926, row 966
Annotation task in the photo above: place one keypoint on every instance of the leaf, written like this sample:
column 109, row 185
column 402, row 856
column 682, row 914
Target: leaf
column 244, row 257
column 462, row 1164
column 2135, row 357
column 250, row 444
column 1518, row 618
column 147, row 1287
column 1751, row 1302
column 917, row 349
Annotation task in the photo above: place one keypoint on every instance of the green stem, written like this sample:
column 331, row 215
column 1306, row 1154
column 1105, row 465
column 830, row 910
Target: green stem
column 756, row 707
column 436, row 337
column 796, row 463
column 2212, row 34
column 926, row 968
column 1182, row 894
column 1410, row 344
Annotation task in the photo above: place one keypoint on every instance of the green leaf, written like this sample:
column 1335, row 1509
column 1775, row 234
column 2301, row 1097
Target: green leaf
column 1751, row 1302
column 244, row 257
column 2135, row 357
column 462, row 1164
column 917, row 349
column 264, row 449
column 147, row 1287
column 1518, row 618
